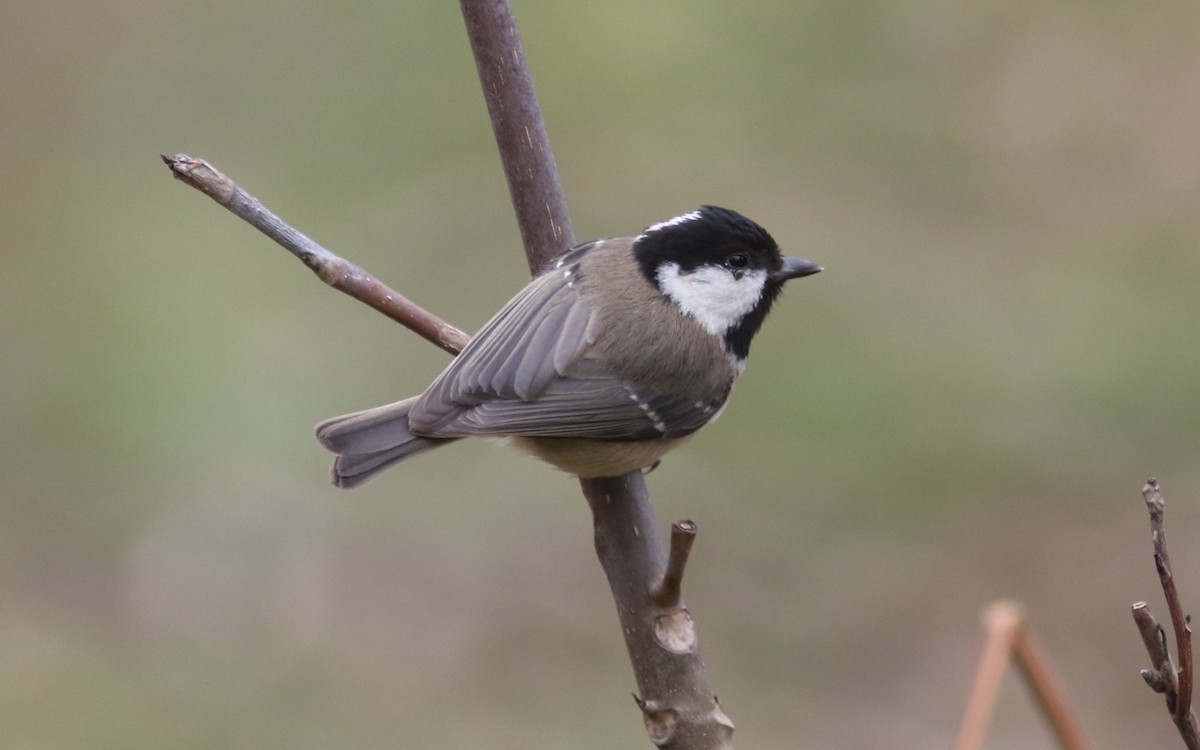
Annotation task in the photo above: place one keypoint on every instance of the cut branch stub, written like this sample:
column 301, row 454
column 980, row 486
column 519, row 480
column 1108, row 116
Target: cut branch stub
column 668, row 590
column 661, row 723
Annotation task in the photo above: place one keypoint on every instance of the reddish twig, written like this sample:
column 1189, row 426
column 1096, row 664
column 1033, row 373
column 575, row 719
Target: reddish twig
column 1035, row 666
column 1163, row 677
column 1009, row 639
column 334, row 270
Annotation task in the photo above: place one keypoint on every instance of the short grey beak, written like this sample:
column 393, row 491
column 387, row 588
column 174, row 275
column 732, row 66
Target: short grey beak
column 794, row 268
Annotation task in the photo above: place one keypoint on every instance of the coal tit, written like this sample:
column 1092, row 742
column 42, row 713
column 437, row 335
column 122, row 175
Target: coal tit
column 616, row 354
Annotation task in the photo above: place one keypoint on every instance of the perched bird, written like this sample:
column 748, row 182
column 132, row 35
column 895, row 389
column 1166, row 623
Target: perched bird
column 612, row 357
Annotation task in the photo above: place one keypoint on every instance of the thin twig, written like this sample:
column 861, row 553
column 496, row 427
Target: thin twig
column 1001, row 625
column 1179, row 620
column 1162, row 677
column 1009, row 638
column 1032, row 661
column 334, row 270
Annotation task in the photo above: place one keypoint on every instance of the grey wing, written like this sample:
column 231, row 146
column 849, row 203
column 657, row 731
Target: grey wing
column 591, row 403
column 538, row 337
column 526, row 373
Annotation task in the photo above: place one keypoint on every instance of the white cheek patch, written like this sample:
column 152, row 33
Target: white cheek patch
column 712, row 295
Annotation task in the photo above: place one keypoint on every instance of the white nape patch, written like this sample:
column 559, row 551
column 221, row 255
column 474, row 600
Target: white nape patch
column 681, row 219
column 712, row 295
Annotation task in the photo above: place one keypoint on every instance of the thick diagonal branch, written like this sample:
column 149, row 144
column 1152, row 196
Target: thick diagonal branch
column 677, row 703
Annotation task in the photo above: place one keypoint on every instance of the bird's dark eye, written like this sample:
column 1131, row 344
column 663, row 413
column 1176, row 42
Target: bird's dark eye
column 737, row 261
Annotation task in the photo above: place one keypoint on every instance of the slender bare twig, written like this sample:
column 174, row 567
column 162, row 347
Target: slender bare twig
column 1035, row 666
column 1162, row 677
column 334, row 270
column 1009, row 638
column 1001, row 625
column 1179, row 621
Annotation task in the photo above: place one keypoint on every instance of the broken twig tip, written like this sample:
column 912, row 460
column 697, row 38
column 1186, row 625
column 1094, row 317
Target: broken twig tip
column 202, row 176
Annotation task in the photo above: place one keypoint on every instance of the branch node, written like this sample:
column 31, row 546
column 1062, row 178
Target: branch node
column 661, row 722
column 676, row 631
column 1155, row 680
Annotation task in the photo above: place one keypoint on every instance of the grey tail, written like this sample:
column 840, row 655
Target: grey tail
column 367, row 442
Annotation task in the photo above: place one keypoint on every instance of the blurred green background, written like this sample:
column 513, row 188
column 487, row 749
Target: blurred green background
column 962, row 408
